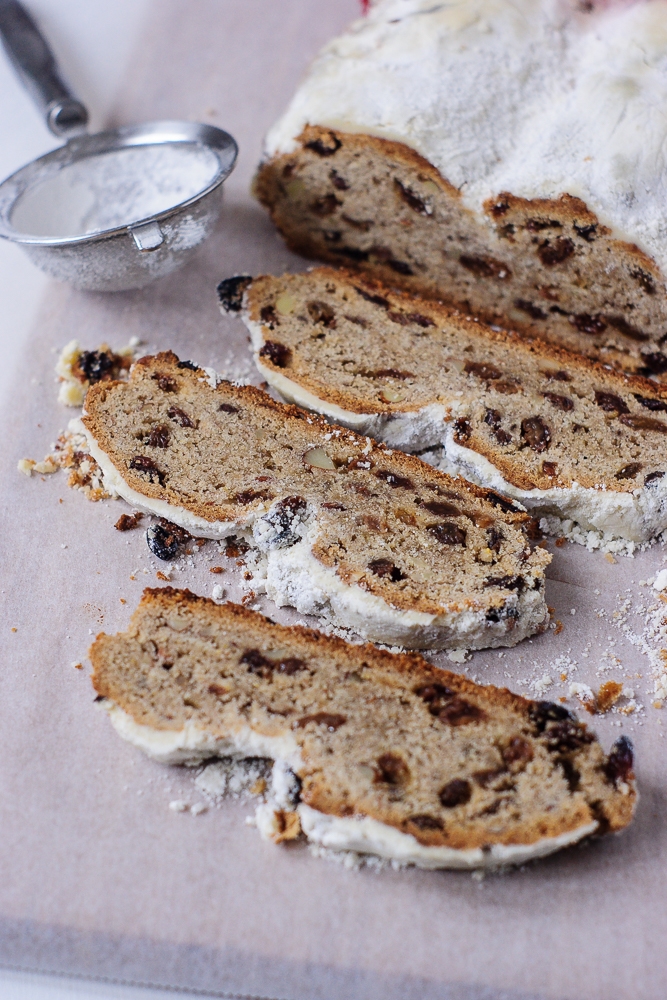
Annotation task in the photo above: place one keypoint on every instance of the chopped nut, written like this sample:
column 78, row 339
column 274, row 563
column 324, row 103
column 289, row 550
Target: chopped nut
column 485, row 555
column 317, row 458
column 559, row 627
column 217, row 569
column 286, row 304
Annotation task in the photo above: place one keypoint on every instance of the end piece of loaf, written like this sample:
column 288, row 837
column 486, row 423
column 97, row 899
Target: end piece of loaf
column 560, row 433
column 487, row 154
column 377, row 753
column 389, row 546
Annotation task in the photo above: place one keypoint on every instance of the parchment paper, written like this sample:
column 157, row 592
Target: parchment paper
column 97, row 876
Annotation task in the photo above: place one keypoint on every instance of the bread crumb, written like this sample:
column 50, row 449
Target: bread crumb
column 178, row 806
column 458, row 655
column 559, row 627
column 660, row 582
column 609, row 557
column 560, row 541
column 162, row 576
column 14, row 629
column 78, row 666
column 122, row 600
column 217, row 569
column 218, row 592
column 198, row 808
column 26, row 465
column 608, row 695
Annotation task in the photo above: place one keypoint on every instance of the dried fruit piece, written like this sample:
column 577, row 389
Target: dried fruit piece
column 619, row 766
column 482, row 369
column 456, row 793
column 585, row 323
column 392, row 479
column 535, row 433
column 517, row 751
column 493, row 419
column 317, row 458
column 386, row 570
column 610, row 402
column 325, row 145
column 550, row 469
column 175, row 413
column 126, row 522
column 640, row 423
column 485, row 267
column 411, row 199
column 330, row 720
column 141, row 463
column 441, row 508
column 166, row 382
column 560, row 402
column 230, row 292
column 649, row 403
column 391, row 770
column 629, row 471
column 165, row 539
column 532, row 310
column 552, row 253
column 158, row 437
column 277, row 353
column 447, row 533
column 462, row 430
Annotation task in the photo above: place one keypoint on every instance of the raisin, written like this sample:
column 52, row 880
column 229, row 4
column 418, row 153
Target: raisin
column 386, row 570
column 501, row 207
column 411, row 199
column 248, row 496
column 331, row 720
column 482, row 370
column 326, row 205
column 392, row 479
column 257, row 663
column 535, row 433
column 420, row 320
column 325, row 145
column 493, row 418
column 277, row 353
column 498, row 500
column 620, row 324
column 629, row 471
column 462, row 430
column 435, row 695
column 399, row 266
column 231, row 291
column 217, row 689
column 357, row 320
column 391, row 770
column 639, row 423
column 425, row 822
column 283, row 517
column 485, row 267
column 538, row 225
column 352, row 253
column 447, row 533
column 321, row 312
column 378, row 300
column 267, row 314
column 650, row 404
column 567, row 735
column 126, row 522
column 388, row 373
column 141, row 463
column 620, row 761
column 338, row 182
column 95, row 365
column 652, row 477
column 456, row 793
column 235, row 547
column 188, row 364
column 158, row 437
column 586, row 323
column 610, row 403
column 165, row 539
column 655, row 362
column 645, row 280
column 228, row 408
column 175, row 413
column 556, row 252
column 441, row 508
column 458, row 712
column 333, row 506
column 495, row 537
column 560, row 376
column 550, row 469
column 517, row 751
column 509, row 388
column 533, row 311
column 166, row 382
column 587, row 232
column 506, row 582
column 543, row 712
column 560, row 402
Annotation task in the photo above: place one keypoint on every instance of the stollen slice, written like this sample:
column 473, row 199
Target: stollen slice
column 564, row 435
column 374, row 752
column 380, row 540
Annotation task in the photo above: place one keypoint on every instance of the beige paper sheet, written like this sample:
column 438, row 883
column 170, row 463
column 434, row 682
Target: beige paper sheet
column 97, row 876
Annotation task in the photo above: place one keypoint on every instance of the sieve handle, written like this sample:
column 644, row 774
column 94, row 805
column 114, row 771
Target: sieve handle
column 36, row 66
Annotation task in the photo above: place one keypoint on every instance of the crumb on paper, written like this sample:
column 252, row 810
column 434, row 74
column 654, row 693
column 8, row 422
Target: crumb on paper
column 458, row 655
column 558, row 627
column 14, row 628
column 128, row 522
column 163, row 576
column 217, row 569
column 660, row 582
column 179, row 806
column 584, row 694
column 122, row 600
column 78, row 666
column 608, row 695
column 78, row 369
column 198, row 808
column 610, row 559
column 218, row 592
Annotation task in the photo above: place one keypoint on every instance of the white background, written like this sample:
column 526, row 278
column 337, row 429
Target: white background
column 93, row 41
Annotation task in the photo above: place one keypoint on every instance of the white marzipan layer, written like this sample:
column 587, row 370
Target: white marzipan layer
column 580, row 109
column 363, row 835
column 295, row 577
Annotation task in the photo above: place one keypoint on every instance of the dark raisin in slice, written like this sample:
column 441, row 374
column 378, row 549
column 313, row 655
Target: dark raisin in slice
column 175, row 413
column 378, row 300
column 441, row 508
column 141, row 463
column 435, row 695
column 560, row 402
column 95, row 365
column 485, row 267
column 321, row 312
column 228, row 408
column 585, row 323
column 338, row 182
column 493, row 419
column 165, row 539
column 188, row 364
column 393, row 479
column 386, row 570
column 620, row 761
column 230, row 292
column 447, row 533
column 495, row 538
column 325, row 145
column 656, row 362
column 587, row 232
column 276, row 353
column 610, row 402
column 166, row 382
column 462, row 430
column 629, row 471
column 352, row 253
column 483, row 370
column 391, row 769
column 518, row 750
column 458, row 712
column 620, row 324
column 645, row 279
column 560, row 376
column 552, row 253
column 456, row 793
column 532, row 310
column 498, row 500
column 257, row 663
column 653, row 477
column 506, row 582
column 411, row 199
column 640, row 423
column 326, row 205
column 158, row 437
column 543, row 712
column 535, row 433
column 649, row 403
column 425, row 822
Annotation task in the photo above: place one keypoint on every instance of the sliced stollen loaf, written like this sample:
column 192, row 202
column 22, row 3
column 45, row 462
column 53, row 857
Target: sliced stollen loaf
column 391, row 547
column 503, row 155
column 374, row 752
column 560, row 433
